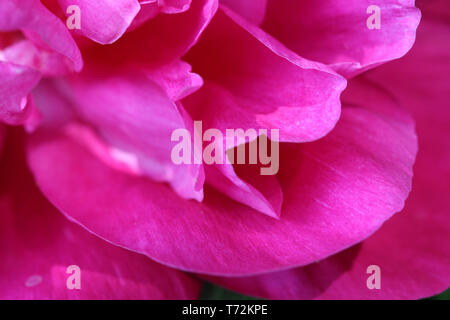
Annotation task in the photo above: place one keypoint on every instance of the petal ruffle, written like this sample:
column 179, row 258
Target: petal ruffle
column 254, row 11
column 104, row 21
column 41, row 27
column 161, row 40
column 335, row 31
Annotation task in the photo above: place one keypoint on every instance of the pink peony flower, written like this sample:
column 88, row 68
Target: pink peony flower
column 90, row 182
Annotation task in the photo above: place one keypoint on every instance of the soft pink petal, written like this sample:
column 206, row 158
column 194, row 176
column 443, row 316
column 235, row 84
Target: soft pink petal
column 335, row 32
column 412, row 249
column 26, row 53
column 260, row 85
column 337, row 192
column 38, row 245
column 133, row 115
column 16, row 82
column 104, row 21
column 40, row 26
column 174, row 6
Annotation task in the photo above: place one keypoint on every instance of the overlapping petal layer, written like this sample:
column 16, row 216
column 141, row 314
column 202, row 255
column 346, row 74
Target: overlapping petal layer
column 103, row 21
column 337, row 192
column 40, row 26
column 16, row 82
column 412, row 249
column 161, row 40
column 37, row 245
column 337, row 32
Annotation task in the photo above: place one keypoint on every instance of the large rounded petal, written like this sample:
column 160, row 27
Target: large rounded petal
column 336, row 32
column 337, row 192
column 37, row 245
column 412, row 249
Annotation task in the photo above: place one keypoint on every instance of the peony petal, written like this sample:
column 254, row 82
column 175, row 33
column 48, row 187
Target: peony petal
column 160, row 40
column 335, row 32
column 133, row 116
column 254, row 11
column 40, row 26
column 26, row 53
column 241, row 90
column 15, row 84
column 104, row 21
column 412, row 249
column 174, row 6
column 262, row 193
column 337, row 192
column 38, row 245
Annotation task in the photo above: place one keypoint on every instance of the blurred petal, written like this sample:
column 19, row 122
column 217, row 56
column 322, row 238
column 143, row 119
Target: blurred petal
column 26, row 53
column 104, row 21
column 37, row 245
column 337, row 192
column 254, row 11
column 262, row 193
column 41, row 27
column 2, row 137
column 132, row 119
column 16, row 82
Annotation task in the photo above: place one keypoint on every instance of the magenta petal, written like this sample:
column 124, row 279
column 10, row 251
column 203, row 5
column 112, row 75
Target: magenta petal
column 2, row 137
column 133, row 114
column 176, row 79
column 337, row 192
column 412, row 249
column 335, row 31
column 104, row 21
column 262, row 193
column 38, row 245
column 161, row 40
column 175, row 6
column 15, row 84
column 301, row 98
column 26, row 53
column 254, row 11
column 40, row 26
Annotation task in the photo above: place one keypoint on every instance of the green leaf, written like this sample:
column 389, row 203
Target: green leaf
column 212, row 292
